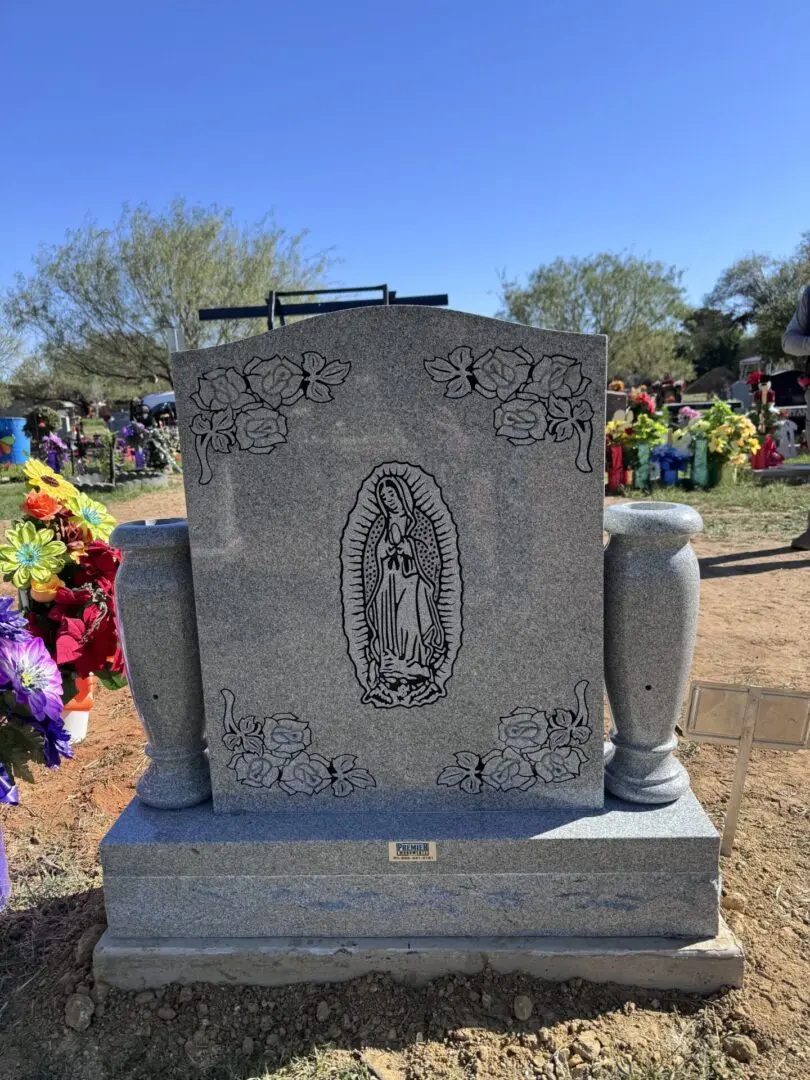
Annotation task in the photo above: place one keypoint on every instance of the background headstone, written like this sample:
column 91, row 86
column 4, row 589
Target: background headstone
column 396, row 531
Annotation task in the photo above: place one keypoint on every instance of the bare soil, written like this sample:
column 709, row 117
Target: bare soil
column 754, row 628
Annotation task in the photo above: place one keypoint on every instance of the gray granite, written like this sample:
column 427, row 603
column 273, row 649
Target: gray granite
column 396, row 534
column 652, row 594
column 621, row 836
column 248, row 905
column 623, row 871
column 698, row 967
column 157, row 624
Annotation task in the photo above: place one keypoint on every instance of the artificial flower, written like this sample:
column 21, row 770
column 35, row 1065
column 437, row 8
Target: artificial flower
column 41, row 505
column 31, row 554
column 8, row 789
column 92, row 516
column 72, row 535
column 98, row 565
column 87, row 637
column 45, row 592
column 13, row 625
column 43, row 478
column 29, row 669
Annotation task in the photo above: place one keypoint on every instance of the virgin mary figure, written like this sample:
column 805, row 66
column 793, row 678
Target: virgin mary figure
column 406, row 637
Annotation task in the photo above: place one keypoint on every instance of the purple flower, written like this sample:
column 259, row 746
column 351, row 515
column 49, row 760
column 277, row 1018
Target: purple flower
column 56, row 741
column 29, row 669
column 13, row 625
column 8, row 789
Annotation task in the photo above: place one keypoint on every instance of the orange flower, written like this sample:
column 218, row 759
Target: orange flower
column 47, row 592
column 41, row 505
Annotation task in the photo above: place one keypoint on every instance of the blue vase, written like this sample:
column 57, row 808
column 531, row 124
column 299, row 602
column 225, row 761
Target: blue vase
column 669, row 476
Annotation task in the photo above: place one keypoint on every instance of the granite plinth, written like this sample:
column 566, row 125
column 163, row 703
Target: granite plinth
column 698, row 967
column 624, row 871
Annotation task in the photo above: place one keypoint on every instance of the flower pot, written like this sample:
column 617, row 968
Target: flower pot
column 158, row 629
column 76, row 713
column 648, row 647
column 669, row 477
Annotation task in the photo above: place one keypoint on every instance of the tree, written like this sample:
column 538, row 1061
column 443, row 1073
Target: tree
column 711, row 339
column 761, row 294
column 638, row 303
column 101, row 301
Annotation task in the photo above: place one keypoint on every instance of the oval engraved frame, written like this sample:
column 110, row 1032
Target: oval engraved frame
column 429, row 543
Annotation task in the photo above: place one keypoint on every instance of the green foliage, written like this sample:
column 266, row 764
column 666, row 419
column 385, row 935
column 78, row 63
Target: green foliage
column 40, row 422
column 101, row 301
column 19, row 744
column 110, row 680
column 638, row 303
column 761, row 293
column 711, row 338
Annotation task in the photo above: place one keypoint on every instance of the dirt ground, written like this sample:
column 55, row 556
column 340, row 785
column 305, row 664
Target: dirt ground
column 754, row 628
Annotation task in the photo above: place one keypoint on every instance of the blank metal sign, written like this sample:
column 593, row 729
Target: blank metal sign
column 717, row 714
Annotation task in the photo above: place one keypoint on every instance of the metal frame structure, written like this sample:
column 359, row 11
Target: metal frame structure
column 274, row 308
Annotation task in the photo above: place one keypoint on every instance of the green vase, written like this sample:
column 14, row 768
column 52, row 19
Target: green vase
column 642, row 477
column 701, row 470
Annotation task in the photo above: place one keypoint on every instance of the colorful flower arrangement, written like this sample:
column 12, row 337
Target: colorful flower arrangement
column 687, row 415
column 640, row 401
column 730, row 437
column 53, row 451
column 31, row 693
column 630, row 434
column 58, row 558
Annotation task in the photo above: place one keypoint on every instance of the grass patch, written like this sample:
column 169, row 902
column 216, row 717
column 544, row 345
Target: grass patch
column 12, row 495
column 775, row 511
column 319, row 1066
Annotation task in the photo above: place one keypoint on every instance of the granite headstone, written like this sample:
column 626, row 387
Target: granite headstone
column 395, row 518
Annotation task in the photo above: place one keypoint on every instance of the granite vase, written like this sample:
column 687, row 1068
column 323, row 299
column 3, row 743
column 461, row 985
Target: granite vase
column 652, row 587
column 158, row 629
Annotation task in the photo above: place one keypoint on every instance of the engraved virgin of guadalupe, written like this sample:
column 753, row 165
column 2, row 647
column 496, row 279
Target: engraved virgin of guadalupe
column 401, row 588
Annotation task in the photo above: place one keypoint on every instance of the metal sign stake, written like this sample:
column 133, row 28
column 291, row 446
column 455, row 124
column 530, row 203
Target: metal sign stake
column 740, row 771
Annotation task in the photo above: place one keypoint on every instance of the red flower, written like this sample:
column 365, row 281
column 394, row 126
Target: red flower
column 99, row 564
column 87, row 635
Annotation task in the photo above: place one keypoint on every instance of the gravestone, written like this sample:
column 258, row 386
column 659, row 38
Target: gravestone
column 396, row 533
column 395, row 520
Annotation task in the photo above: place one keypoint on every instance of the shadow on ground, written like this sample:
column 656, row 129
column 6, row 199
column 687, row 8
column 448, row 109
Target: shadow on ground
column 455, row 1027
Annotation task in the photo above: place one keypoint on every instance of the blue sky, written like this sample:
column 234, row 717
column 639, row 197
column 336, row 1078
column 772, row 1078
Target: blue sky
column 431, row 144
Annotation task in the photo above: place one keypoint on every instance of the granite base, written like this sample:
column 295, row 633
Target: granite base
column 624, row 871
column 699, row 967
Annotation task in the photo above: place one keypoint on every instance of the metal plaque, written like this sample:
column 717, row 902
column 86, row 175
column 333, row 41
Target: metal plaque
column 717, row 713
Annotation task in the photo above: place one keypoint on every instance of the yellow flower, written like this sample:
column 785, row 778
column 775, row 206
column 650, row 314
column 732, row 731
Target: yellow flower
column 41, row 476
column 46, row 591
column 93, row 516
column 31, row 555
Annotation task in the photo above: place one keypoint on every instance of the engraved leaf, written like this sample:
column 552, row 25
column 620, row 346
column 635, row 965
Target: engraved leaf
column 361, row 778
column 335, row 372
column 455, row 371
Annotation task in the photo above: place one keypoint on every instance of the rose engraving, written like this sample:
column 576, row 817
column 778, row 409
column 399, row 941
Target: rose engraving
column 534, row 399
column 245, row 409
column 534, row 747
column 275, row 753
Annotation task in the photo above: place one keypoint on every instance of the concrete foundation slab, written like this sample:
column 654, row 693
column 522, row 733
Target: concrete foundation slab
column 700, row 967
